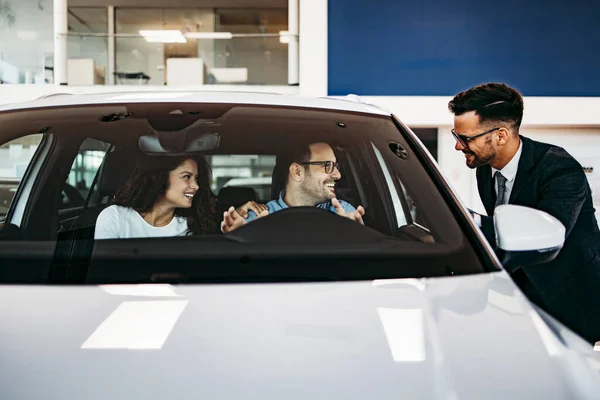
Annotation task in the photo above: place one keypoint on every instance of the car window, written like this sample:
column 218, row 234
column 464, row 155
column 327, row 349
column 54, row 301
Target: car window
column 408, row 229
column 243, row 170
column 410, row 203
column 15, row 157
column 82, row 176
column 399, row 211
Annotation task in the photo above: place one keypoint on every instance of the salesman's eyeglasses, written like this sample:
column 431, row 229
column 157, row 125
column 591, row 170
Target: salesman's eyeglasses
column 328, row 165
column 464, row 140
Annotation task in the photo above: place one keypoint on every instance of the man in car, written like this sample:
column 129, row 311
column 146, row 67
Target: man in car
column 514, row 169
column 311, row 178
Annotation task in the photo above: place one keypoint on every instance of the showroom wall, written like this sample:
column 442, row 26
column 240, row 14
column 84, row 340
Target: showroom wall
column 434, row 47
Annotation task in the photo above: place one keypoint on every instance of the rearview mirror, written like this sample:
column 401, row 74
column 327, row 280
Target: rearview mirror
column 527, row 236
column 179, row 142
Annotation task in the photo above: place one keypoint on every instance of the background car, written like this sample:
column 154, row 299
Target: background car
column 301, row 303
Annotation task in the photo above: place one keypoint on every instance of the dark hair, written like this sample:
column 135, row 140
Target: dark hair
column 492, row 102
column 150, row 180
column 301, row 153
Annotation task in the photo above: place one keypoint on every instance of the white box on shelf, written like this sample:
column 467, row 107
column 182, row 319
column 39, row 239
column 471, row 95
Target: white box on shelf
column 81, row 72
column 230, row 75
column 185, row 71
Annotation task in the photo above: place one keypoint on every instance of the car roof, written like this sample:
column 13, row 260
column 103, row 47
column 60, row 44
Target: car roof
column 350, row 103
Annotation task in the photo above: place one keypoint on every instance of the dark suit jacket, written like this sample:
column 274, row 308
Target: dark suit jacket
column 551, row 180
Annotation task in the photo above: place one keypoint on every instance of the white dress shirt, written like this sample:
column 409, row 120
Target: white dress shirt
column 510, row 173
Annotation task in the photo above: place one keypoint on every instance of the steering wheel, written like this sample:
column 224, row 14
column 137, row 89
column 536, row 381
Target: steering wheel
column 306, row 225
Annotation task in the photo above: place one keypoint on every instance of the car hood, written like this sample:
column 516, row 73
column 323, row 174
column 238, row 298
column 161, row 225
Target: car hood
column 470, row 337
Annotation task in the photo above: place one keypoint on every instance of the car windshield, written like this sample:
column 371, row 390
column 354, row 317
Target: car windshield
column 72, row 165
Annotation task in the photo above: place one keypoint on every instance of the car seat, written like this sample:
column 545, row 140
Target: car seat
column 115, row 171
column 233, row 196
column 279, row 178
column 74, row 245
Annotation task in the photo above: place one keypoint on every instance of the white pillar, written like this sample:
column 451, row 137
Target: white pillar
column 293, row 45
column 313, row 47
column 110, row 62
column 60, row 42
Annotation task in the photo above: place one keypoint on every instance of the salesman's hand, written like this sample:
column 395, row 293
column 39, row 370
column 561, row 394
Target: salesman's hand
column 353, row 215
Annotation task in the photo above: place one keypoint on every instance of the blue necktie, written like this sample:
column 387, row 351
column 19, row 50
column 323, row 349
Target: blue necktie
column 501, row 179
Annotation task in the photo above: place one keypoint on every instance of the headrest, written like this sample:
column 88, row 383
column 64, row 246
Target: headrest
column 236, row 195
column 280, row 173
column 116, row 170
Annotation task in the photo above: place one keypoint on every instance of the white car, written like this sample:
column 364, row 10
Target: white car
column 300, row 304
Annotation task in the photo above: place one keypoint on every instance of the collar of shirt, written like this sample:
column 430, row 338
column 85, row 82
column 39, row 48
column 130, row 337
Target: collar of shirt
column 279, row 204
column 510, row 170
column 280, row 201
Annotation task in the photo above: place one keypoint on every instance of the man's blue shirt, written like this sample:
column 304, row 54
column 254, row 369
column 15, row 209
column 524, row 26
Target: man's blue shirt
column 279, row 204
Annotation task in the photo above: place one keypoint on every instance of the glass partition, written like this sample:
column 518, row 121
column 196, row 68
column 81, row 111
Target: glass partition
column 263, row 59
column 155, row 46
column 256, row 44
column 91, row 21
column 26, row 34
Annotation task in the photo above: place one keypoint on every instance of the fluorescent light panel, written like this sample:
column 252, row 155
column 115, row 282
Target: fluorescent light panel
column 163, row 36
column 209, row 35
column 284, row 36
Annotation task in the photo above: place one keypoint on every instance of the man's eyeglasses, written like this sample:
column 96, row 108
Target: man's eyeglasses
column 328, row 165
column 464, row 140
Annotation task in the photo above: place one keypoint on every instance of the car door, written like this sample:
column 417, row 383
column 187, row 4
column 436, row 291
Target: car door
column 19, row 165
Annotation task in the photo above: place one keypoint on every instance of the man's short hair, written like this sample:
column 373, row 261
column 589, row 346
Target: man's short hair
column 493, row 102
column 299, row 154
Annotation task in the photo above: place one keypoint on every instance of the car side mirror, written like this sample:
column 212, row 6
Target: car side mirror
column 527, row 236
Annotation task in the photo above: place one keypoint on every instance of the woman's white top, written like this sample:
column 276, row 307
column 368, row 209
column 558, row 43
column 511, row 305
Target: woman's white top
column 116, row 222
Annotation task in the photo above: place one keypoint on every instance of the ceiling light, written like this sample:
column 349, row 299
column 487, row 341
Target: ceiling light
column 284, row 36
column 209, row 35
column 163, row 36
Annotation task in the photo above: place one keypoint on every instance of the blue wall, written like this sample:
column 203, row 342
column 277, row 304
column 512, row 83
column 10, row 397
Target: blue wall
column 440, row 47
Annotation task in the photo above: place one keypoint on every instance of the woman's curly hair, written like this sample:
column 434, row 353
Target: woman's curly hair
column 150, row 180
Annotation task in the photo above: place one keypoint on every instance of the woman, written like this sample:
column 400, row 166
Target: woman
column 165, row 196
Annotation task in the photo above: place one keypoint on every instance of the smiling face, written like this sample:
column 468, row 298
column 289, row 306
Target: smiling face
column 479, row 151
column 183, row 185
column 317, row 185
